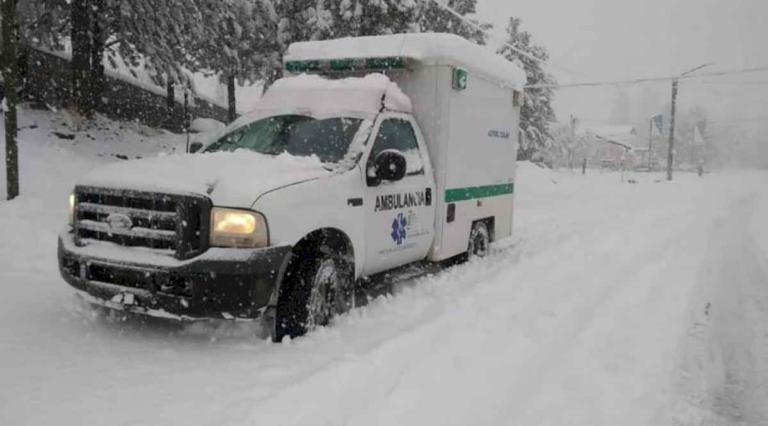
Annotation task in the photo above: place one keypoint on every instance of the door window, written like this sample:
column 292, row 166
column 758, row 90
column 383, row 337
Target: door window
column 399, row 135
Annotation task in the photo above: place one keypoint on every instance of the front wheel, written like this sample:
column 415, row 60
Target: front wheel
column 319, row 289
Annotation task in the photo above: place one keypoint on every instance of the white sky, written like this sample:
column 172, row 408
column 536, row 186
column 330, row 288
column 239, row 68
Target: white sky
column 623, row 39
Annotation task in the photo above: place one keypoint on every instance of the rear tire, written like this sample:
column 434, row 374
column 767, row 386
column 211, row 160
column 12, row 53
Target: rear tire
column 479, row 240
column 319, row 288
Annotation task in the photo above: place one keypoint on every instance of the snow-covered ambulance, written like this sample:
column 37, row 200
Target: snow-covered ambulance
column 371, row 153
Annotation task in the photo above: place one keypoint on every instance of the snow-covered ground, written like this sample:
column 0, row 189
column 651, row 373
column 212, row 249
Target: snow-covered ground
column 614, row 304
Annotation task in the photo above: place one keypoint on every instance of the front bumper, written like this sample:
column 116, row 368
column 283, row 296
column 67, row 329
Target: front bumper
column 220, row 283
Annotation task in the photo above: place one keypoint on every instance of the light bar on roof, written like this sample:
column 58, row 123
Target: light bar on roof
column 341, row 65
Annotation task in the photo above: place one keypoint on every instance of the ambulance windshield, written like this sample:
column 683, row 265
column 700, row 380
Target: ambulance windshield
column 329, row 139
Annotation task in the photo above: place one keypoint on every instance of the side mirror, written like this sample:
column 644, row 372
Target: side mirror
column 195, row 146
column 389, row 165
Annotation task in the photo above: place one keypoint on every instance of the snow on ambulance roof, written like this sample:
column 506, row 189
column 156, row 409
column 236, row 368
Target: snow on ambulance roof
column 319, row 97
column 428, row 48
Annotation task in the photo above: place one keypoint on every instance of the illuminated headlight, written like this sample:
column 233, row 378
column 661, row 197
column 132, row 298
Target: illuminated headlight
column 71, row 210
column 238, row 228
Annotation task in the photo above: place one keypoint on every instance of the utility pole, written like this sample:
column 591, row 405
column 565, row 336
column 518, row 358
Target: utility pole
column 693, row 145
column 573, row 126
column 650, row 143
column 671, row 153
column 574, row 120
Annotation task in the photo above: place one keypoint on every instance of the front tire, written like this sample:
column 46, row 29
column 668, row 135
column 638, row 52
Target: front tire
column 319, row 288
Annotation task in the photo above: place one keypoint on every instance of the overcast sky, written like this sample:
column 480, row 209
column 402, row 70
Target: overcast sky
column 623, row 39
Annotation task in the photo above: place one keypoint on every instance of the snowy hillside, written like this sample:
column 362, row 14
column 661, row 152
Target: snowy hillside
column 205, row 86
column 611, row 305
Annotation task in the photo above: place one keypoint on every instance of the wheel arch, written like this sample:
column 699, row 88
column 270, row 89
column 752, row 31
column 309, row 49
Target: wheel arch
column 333, row 239
column 328, row 240
column 490, row 223
column 319, row 242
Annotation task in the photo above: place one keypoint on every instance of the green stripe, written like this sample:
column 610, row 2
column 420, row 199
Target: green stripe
column 342, row 64
column 302, row 66
column 346, row 64
column 463, row 194
column 394, row 62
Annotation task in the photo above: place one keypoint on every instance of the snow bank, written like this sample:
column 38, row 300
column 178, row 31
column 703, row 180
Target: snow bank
column 206, row 125
column 206, row 130
column 230, row 178
column 427, row 48
column 532, row 172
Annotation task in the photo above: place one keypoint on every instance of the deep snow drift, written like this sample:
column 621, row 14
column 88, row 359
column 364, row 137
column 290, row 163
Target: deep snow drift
column 614, row 303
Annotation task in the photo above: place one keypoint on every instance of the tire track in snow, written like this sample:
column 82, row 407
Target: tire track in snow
column 723, row 375
column 423, row 301
column 381, row 381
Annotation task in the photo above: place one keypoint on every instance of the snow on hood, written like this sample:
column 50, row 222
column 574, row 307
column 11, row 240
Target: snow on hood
column 231, row 179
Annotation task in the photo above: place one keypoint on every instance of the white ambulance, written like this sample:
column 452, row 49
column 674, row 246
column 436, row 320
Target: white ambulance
column 370, row 154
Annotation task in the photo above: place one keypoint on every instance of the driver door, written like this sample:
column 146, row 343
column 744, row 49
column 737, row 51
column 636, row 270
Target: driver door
column 399, row 216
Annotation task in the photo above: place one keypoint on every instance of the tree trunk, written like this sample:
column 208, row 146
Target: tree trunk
column 10, row 75
column 170, row 95
column 97, row 55
column 81, row 57
column 231, row 98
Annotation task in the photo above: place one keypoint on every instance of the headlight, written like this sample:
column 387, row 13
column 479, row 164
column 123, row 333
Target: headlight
column 71, row 210
column 238, row 228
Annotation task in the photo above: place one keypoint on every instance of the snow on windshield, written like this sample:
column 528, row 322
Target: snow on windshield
column 302, row 136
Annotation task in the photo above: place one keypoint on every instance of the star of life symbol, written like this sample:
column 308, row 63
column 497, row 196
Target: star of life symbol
column 398, row 229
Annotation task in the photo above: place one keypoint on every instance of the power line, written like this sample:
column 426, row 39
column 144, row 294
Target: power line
column 731, row 72
column 521, row 52
column 718, row 92
column 530, row 56
column 729, row 83
column 646, row 80
column 744, row 120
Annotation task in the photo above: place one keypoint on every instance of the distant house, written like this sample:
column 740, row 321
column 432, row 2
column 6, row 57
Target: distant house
column 611, row 146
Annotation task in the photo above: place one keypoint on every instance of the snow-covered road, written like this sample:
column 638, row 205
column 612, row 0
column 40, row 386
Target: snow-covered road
column 724, row 369
column 631, row 304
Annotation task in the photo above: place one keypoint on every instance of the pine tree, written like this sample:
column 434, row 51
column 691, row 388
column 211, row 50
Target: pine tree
column 240, row 43
column 160, row 36
column 435, row 19
column 86, row 24
column 300, row 20
column 360, row 18
column 305, row 20
column 10, row 73
column 537, row 111
column 155, row 34
column 44, row 23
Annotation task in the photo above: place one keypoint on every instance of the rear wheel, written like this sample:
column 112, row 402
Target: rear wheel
column 320, row 288
column 479, row 240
